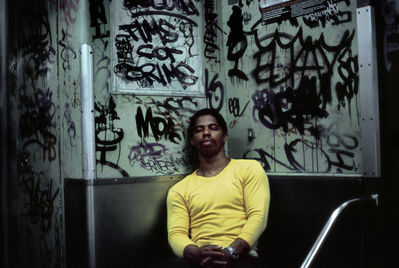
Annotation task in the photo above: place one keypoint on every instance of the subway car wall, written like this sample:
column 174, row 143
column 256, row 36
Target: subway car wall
column 311, row 96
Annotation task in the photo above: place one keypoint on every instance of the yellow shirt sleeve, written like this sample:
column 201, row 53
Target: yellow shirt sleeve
column 257, row 200
column 178, row 223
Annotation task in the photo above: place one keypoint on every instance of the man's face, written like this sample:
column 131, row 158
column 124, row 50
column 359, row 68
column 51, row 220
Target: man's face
column 208, row 137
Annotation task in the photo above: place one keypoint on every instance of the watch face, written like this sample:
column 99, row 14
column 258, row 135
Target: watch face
column 233, row 252
column 234, row 255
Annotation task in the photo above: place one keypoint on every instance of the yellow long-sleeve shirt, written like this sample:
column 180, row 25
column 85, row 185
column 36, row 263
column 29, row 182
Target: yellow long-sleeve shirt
column 217, row 210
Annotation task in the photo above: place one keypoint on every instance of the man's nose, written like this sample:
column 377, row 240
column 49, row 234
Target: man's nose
column 206, row 131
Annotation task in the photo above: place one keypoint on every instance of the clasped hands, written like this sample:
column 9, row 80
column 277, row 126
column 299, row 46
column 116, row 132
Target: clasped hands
column 208, row 255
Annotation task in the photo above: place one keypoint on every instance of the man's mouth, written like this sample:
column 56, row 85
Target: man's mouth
column 207, row 142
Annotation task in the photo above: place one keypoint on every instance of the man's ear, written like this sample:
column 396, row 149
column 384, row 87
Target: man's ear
column 224, row 137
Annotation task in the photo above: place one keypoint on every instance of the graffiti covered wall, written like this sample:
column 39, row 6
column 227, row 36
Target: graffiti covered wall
column 293, row 89
column 289, row 91
column 154, row 47
column 36, row 190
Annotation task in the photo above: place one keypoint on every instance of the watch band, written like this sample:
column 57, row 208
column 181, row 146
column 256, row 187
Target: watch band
column 233, row 252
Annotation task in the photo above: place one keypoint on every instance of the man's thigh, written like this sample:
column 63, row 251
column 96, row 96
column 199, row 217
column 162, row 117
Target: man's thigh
column 174, row 263
column 245, row 263
column 182, row 263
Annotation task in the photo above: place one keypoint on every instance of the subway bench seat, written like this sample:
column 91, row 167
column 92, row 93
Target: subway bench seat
column 122, row 223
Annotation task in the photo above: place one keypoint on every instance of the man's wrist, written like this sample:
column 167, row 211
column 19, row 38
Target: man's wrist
column 232, row 252
column 189, row 252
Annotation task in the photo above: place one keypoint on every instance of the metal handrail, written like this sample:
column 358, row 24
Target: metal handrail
column 327, row 227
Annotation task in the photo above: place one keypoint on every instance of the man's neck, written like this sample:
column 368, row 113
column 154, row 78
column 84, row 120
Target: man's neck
column 212, row 166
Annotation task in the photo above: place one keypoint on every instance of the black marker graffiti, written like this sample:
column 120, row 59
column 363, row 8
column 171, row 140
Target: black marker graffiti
column 76, row 95
column 211, row 27
column 108, row 136
column 234, row 107
column 69, row 10
column 69, row 124
column 146, row 30
column 159, row 126
column 36, row 121
column 98, row 18
column 262, row 156
column 251, row 134
column 139, row 152
column 160, row 53
column 236, row 42
column 289, row 160
column 295, row 107
column 186, row 7
column 176, row 106
column 187, row 31
column 214, row 91
column 165, row 69
column 155, row 47
column 67, row 53
column 338, row 156
column 349, row 87
column 124, row 52
column 36, row 40
column 38, row 130
column 314, row 62
column 342, row 147
column 156, row 158
column 311, row 56
column 39, row 203
column 40, row 211
column 103, row 64
column 178, row 109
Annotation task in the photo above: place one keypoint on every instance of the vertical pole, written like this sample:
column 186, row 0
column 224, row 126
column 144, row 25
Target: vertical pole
column 87, row 106
column 88, row 124
column 4, row 128
column 88, row 142
column 368, row 87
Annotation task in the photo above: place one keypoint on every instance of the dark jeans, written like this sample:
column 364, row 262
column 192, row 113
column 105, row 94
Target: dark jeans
column 249, row 262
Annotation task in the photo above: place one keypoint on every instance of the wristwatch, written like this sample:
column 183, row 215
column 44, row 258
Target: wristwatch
column 233, row 252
